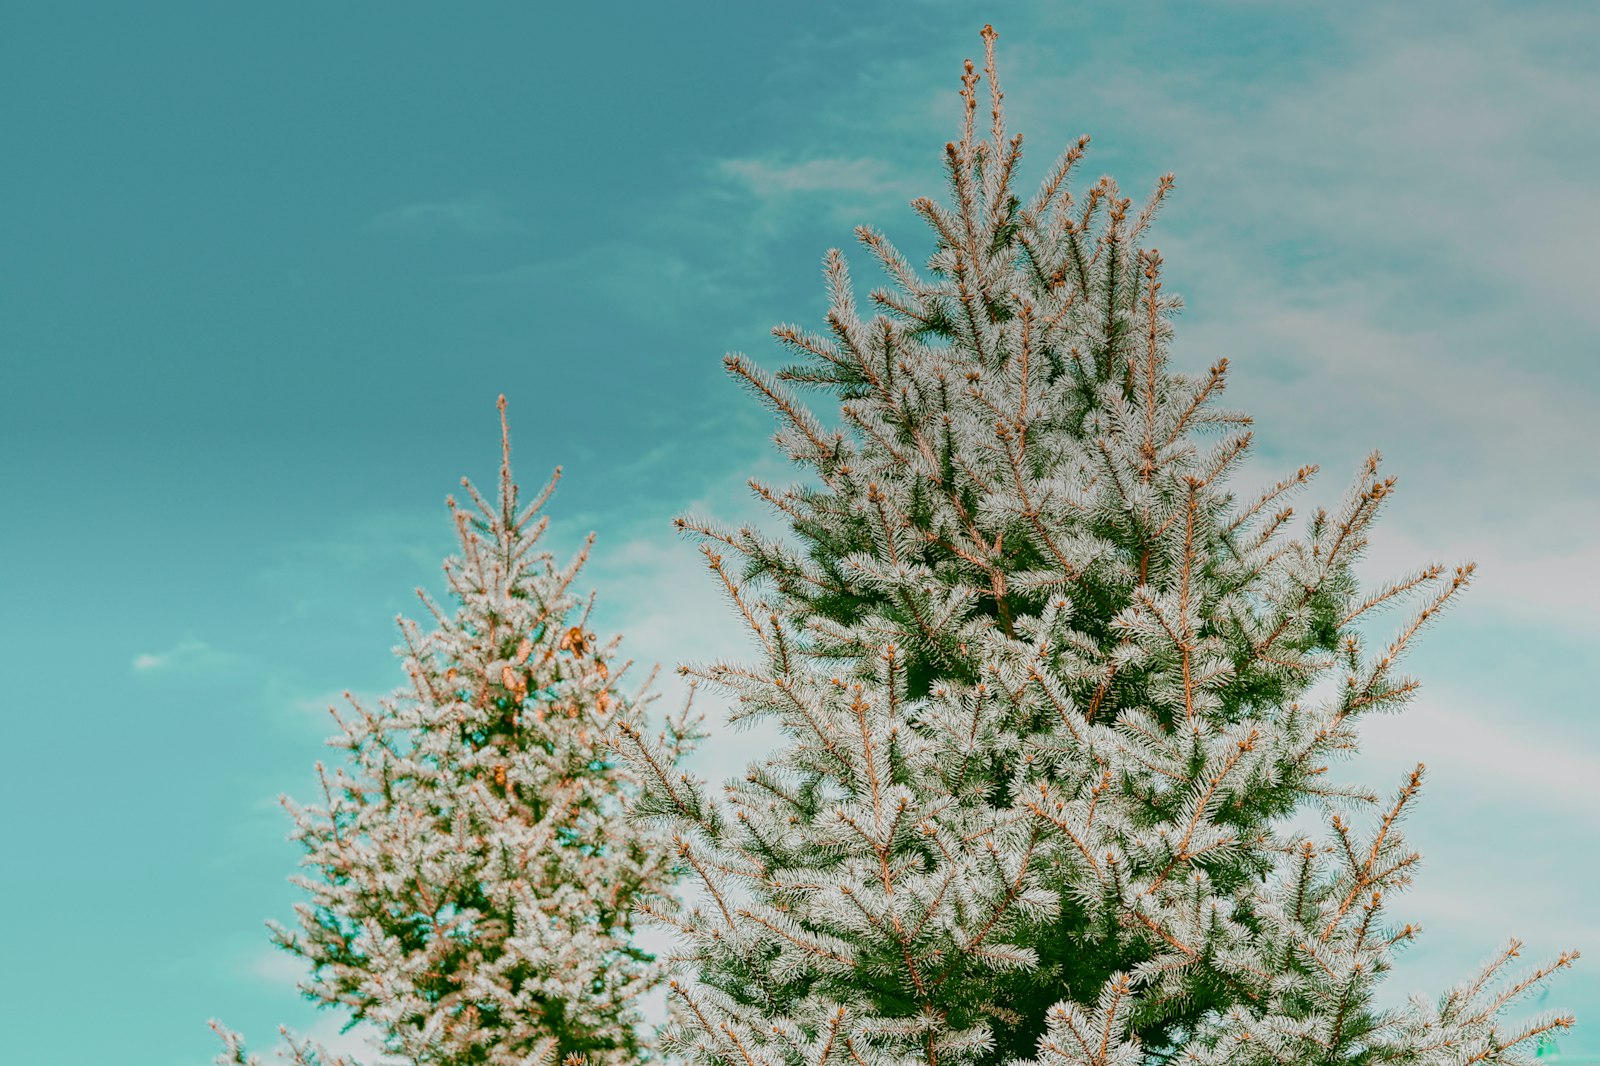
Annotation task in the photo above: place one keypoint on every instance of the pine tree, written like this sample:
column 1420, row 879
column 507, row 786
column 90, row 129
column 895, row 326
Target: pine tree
column 472, row 882
column 1049, row 691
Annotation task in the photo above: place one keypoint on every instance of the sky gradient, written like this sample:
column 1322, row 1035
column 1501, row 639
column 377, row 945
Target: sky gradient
column 265, row 268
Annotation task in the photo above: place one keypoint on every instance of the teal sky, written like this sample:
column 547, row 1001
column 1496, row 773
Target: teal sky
column 265, row 268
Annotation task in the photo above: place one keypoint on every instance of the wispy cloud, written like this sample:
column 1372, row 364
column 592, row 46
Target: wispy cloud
column 650, row 279
column 770, row 177
column 1462, row 144
column 1498, row 763
column 276, row 967
column 783, row 189
column 186, row 656
column 1532, row 567
column 477, row 215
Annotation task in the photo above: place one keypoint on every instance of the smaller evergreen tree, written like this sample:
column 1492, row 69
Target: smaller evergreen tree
column 472, row 880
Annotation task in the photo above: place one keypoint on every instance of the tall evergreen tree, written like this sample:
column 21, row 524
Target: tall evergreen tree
column 472, row 883
column 1047, row 691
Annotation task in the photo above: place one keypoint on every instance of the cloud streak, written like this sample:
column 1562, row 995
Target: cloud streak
column 184, row 657
column 770, row 177
column 778, row 190
column 477, row 215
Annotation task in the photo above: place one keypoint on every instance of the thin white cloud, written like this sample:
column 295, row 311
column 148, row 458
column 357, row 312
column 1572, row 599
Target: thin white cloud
column 1531, row 568
column 665, row 281
column 1464, row 146
column 276, row 967
column 647, row 274
column 769, row 177
column 1494, row 763
column 187, row 656
column 477, row 215
column 846, row 190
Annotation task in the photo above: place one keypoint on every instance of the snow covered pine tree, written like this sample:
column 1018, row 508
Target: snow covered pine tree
column 1046, row 690
column 475, row 882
